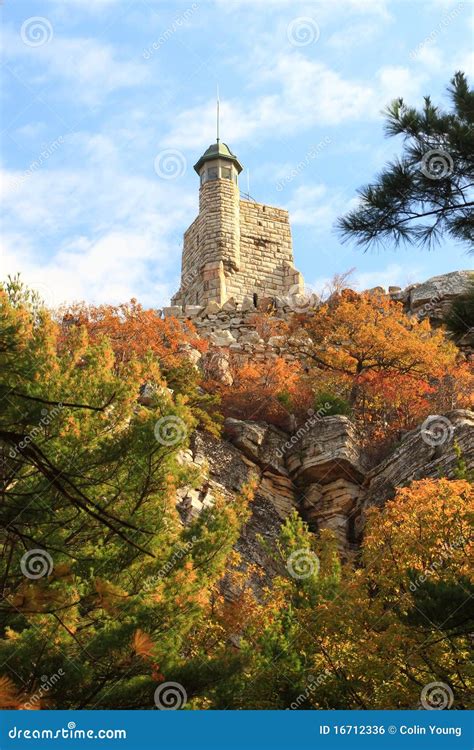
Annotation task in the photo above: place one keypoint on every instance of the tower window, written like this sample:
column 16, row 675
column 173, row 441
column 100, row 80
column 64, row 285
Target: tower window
column 226, row 173
column 203, row 177
column 212, row 173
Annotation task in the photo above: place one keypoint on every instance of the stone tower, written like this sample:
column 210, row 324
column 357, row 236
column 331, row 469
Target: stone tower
column 234, row 248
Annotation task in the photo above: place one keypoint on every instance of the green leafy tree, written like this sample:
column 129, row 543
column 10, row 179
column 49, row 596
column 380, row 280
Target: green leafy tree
column 374, row 633
column 427, row 193
column 100, row 582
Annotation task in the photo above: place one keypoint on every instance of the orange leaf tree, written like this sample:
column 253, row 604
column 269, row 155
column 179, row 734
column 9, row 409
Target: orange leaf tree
column 387, row 364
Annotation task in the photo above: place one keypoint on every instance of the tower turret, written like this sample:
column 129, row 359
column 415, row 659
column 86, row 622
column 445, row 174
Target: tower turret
column 234, row 248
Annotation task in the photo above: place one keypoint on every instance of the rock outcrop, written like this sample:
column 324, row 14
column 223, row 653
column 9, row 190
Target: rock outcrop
column 431, row 299
column 428, row 451
column 320, row 471
column 231, row 328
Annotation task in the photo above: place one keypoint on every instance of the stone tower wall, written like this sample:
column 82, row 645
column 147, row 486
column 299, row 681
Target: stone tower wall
column 265, row 251
column 235, row 249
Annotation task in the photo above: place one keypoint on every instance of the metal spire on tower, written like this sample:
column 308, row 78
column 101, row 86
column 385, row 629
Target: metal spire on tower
column 218, row 113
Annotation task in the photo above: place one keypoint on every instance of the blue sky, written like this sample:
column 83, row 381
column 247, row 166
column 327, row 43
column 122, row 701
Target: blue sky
column 107, row 104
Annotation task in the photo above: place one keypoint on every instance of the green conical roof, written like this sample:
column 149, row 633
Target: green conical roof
column 218, row 151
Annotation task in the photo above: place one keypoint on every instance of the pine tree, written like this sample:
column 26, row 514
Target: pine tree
column 99, row 580
column 427, row 193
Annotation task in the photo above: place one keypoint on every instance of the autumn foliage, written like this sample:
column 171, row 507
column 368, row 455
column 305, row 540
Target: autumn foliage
column 132, row 597
column 133, row 331
column 267, row 391
column 392, row 369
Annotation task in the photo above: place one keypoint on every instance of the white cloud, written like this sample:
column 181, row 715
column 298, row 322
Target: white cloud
column 355, row 35
column 430, row 56
column 300, row 94
column 88, row 69
column 113, row 268
column 318, row 206
column 93, row 231
column 395, row 81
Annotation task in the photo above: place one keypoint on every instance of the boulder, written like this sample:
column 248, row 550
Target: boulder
column 174, row 311
column 229, row 305
column 428, row 451
column 250, row 337
column 326, row 449
column 212, row 308
column 276, row 341
column 260, row 442
column 333, row 506
column 432, row 298
column 191, row 311
column 247, row 304
column 216, row 366
column 222, row 338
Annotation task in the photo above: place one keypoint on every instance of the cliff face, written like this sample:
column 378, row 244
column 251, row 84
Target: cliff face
column 321, row 469
column 323, row 475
